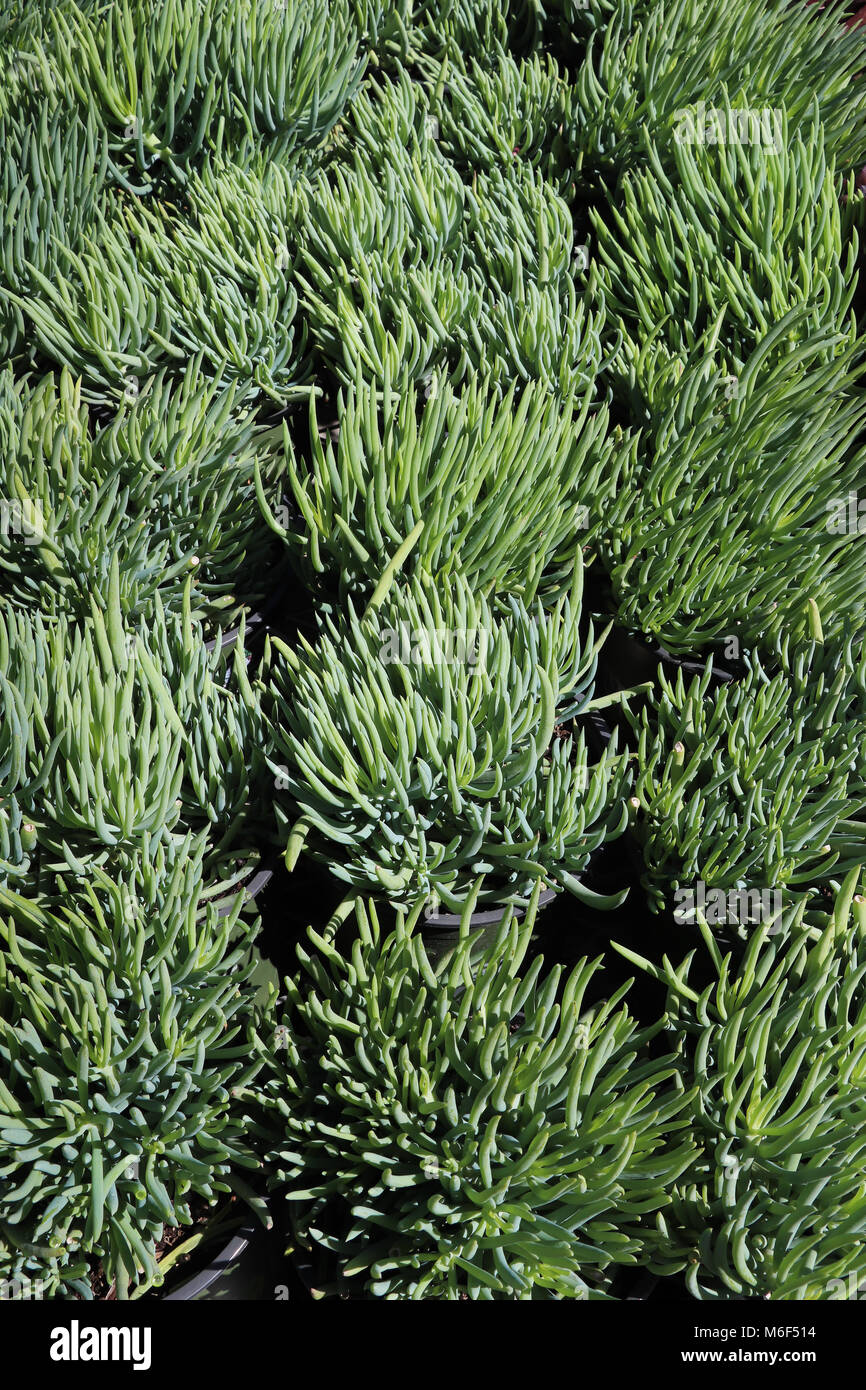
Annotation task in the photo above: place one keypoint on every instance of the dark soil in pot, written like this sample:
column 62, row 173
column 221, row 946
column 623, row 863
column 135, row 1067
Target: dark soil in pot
column 224, row 1247
column 256, row 623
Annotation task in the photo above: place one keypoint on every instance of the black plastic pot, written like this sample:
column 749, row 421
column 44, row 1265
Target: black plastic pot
column 643, row 1288
column 228, row 639
column 628, row 660
column 249, row 1267
column 255, row 886
column 224, row 1276
column 255, row 623
column 448, row 921
column 283, row 591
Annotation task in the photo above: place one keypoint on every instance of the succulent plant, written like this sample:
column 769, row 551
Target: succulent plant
column 152, row 161
column 420, row 749
column 405, row 267
column 579, row 280
column 119, row 734
column 403, row 33
column 54, row 172
column 499, row 484
column 485, row 111
column 150, row 288
column 226, row 271
column 467, row 1129
column 646, row 62
column 773, row 1205
column 758, row 784
column 729, row 494
column 160, row 492
column 127, row 1012
column 167, row 76
column 751, row 227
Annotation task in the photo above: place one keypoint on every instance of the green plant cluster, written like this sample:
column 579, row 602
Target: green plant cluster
column 758, row 781
column 496, row 1137
column 162, row 492
column 773, row 1207
column 125, row 1008
column 496, row 486
column 459, row 346
column 420, row 737
column 112, row 733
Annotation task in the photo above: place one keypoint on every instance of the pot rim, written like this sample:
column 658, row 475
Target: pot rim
column 197, row 1284
column 489, row 916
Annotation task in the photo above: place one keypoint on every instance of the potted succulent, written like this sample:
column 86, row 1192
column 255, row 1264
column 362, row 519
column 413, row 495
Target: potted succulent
column 420, row 749
column 514, row 1141
column 772, row 1205
column 127, row 1013
column 759, row 782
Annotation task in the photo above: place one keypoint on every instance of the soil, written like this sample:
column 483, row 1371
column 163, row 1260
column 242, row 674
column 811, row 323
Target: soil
column 171, row 1236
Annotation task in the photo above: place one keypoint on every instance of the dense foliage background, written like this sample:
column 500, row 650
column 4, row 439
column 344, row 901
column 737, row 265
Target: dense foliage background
column 431, row 458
